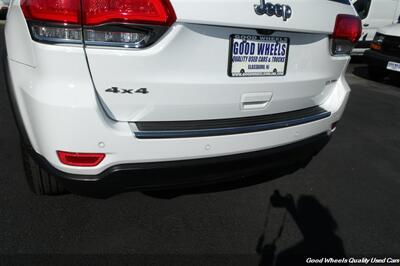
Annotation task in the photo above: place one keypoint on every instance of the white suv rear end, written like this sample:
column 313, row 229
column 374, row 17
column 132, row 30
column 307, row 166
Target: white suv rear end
column 107, row 92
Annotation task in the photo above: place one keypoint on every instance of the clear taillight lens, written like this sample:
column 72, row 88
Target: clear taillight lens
column 121, row 23
column 120, row 39
column 345, row 35
column 56, row 34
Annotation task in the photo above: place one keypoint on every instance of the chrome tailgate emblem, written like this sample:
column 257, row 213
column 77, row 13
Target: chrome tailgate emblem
column 278, row 10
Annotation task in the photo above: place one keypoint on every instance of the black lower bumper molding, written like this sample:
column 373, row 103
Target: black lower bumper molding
column 378, row 59
column 187, row 173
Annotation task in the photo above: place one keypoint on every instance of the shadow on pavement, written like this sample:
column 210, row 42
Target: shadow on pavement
column 268, row 169
column 229, row 185
column 316, row 225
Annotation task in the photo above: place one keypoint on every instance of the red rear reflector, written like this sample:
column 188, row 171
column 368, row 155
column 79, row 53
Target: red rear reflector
column 62, row 11
column 80, row 159
column 347, row 27
column 158, row 12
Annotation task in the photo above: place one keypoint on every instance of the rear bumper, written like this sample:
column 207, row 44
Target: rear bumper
column 188, row 173
column 49, row 127
column 377, row 59
column 193, row 172
column 360, row 48
column 358, row 51
column 363, row 44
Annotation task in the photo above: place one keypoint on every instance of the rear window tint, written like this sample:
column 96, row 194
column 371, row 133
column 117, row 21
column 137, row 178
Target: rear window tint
column 346, row 2
column 362, row 7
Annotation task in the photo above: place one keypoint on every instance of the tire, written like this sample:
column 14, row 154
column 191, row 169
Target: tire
column 40, row 181
column 376, row 74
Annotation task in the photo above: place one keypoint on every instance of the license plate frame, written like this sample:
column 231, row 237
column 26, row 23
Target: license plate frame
column 258, row 39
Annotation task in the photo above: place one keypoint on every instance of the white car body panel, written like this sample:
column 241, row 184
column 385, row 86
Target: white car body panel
column 381, row 13
column 240, row 13
column 392, row 30
column 213, row 93
column 62, row 109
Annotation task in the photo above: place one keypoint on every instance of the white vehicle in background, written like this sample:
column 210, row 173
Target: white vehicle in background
column 3, row 8
column 384, row 56
column 374, row 15
column 132, row 94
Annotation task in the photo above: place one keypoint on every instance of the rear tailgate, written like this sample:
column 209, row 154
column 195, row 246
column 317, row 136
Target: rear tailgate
column 185, row 74
column 307, row 15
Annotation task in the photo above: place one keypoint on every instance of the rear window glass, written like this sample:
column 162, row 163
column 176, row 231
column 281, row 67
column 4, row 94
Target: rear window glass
column 347, row 2
column 362, row 7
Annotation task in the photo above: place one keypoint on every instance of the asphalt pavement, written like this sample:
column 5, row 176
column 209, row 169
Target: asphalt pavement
column 345, row 200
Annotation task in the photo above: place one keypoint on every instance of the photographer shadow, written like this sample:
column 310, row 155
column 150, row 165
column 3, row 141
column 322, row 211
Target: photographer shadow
column 317, row 227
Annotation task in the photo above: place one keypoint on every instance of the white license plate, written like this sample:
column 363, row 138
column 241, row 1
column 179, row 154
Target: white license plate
column 393, row 66
column 252, row 56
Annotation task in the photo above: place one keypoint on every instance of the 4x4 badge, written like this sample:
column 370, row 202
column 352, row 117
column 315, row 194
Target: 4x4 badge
column 278, row 10
column 127, row 91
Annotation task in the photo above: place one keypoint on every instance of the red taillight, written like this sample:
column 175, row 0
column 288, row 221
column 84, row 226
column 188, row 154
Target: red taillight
column 80, row 159
column 95, row 12
column 158, row 12
column 346, row 33
column 347, row 27
column 62, row 11
column 117, row 23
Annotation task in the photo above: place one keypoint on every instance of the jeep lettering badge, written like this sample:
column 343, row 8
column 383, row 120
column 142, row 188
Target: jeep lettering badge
column 283, row 11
